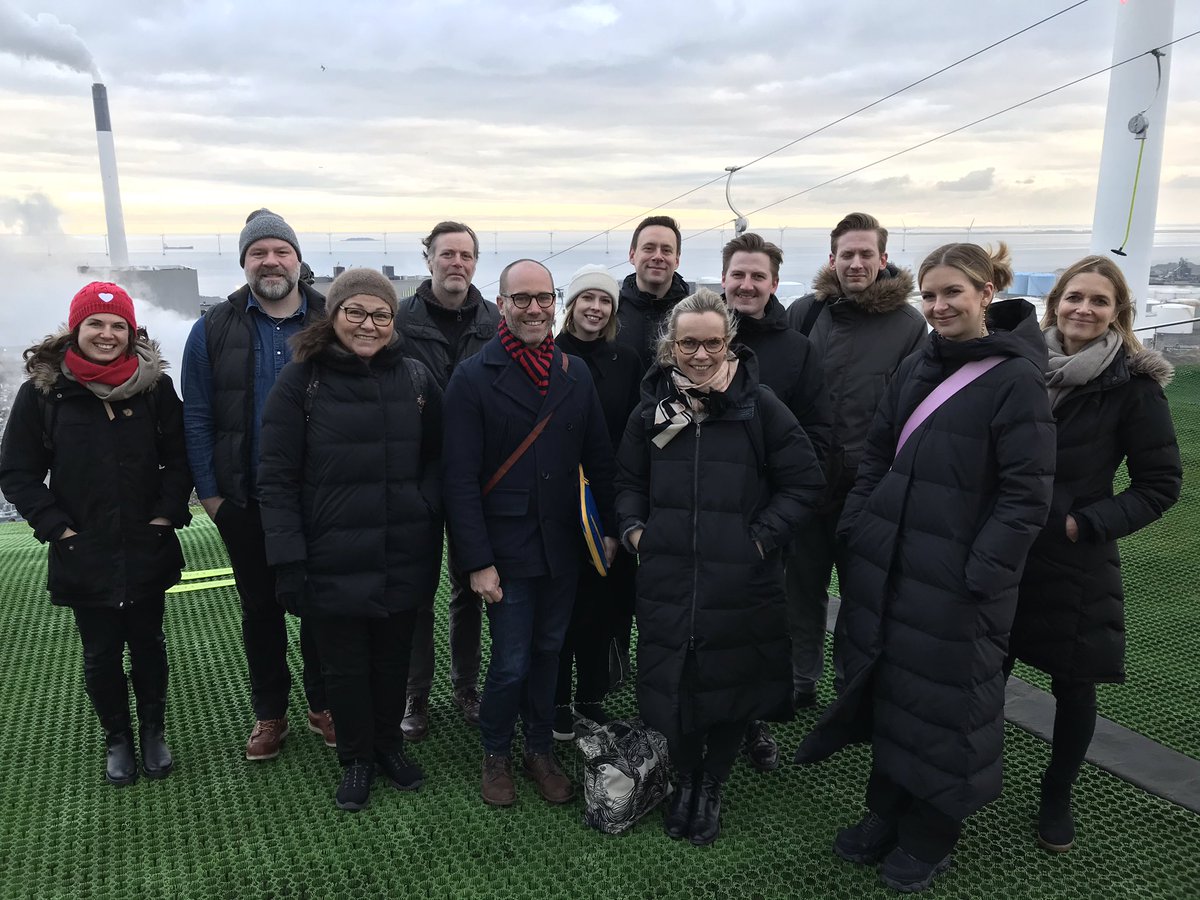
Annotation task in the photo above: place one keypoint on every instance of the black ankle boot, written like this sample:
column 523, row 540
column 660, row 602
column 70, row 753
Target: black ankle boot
column 1056, row 825
column 157, row 761
column 678, row 821
column 706, row 824
column 121, row 763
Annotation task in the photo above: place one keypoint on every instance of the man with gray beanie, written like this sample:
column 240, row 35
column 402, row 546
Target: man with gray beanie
column 232, row 357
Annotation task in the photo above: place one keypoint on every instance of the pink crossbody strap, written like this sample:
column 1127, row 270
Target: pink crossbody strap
column 943, row 392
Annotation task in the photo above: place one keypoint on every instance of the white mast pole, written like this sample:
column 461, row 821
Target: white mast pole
column 1142, row 26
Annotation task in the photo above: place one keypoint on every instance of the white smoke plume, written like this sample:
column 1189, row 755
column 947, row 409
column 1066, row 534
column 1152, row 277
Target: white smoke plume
column 35, row 215
column 45, row 38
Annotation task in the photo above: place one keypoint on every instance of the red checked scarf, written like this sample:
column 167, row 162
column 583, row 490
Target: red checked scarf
column 536, row 361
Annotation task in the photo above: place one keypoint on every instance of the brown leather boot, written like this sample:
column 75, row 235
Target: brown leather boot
column 552, row 783
column 498, row 788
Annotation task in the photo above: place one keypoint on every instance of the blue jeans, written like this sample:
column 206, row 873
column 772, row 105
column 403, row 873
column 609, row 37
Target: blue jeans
column 527, row 629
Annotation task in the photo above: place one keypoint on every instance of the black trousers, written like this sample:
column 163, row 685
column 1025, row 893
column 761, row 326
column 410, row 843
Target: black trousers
column 264, row 629
column 603, row 608
column 925, row 832
column 466, row 629
column 105, row 632
column 1074, row 726
column 365, row 662
column 689, row 753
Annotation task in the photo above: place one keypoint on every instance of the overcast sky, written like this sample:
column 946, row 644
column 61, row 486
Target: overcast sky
column 374, row 116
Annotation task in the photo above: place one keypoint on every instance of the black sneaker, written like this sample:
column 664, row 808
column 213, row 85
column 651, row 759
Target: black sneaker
column 905, row 873
column 402, row 772
column 868, row 842
column 760, row 747
column 593, row 712
column 564, row 723
column 355, row 789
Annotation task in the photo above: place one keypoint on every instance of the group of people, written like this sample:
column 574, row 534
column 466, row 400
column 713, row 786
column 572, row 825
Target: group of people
column 960, row 478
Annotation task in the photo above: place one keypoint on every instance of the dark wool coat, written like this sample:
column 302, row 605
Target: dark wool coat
column 425, row 341
column 1071, row 613
column 642, row 315
column 936, row 542
column 788, row 365
column 354, row 492
column 109, row 476
column 529, row 524
column 747, row 473
column 860, row 341
column 617, row 372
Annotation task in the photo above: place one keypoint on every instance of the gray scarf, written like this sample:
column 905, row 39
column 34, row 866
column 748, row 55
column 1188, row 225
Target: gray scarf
column 1068, row 372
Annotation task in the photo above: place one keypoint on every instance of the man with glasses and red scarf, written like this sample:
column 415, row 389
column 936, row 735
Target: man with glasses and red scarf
column 520, row 419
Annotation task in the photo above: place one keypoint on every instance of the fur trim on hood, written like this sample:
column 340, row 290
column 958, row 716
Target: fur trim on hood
column 889, row 291
column 1152, row 364
column 43, row 361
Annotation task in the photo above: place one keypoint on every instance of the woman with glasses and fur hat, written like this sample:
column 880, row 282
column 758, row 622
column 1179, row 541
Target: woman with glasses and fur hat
column 350, row 490
column 715, row 473
column 1106, row 392
column 603, row 613
column 100, row 415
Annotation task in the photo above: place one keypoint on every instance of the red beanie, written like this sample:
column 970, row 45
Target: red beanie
column 101, row 297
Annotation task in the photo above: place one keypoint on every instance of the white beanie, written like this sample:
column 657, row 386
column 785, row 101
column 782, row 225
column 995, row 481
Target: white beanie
column 594, row 278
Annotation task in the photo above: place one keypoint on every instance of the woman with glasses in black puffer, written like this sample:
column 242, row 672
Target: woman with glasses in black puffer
column 714, row 475
column 351, row 506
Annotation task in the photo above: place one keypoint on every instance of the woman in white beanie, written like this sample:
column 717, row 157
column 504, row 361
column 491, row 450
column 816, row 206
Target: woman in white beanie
column 603, row 605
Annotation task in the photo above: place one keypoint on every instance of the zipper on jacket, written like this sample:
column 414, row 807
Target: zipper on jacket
column 695, row 542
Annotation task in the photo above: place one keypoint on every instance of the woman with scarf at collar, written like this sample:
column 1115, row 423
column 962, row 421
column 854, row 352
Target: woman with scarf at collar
column 953, row 487
column 714, row 475
column 101, row 416
column 1106, row 392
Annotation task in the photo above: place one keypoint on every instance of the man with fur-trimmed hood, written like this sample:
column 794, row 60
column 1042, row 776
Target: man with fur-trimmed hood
column 861, row 326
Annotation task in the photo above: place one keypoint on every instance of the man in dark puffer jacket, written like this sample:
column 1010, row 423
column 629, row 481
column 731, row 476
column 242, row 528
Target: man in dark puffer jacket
column 233, row 355
column 861, row 326
column 790, row 368
column 648, row 294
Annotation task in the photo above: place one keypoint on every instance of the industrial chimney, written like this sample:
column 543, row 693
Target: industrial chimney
column 118, row 252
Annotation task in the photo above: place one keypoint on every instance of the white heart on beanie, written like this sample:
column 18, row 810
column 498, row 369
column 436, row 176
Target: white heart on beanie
column 107, row 298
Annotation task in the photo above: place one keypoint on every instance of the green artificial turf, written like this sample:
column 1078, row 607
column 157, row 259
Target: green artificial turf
column 221, row 827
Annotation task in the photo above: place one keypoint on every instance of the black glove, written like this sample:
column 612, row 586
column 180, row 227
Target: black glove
column 289, row 586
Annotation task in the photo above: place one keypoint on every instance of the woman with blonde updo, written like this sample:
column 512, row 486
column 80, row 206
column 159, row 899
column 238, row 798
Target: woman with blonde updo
column 954, row 485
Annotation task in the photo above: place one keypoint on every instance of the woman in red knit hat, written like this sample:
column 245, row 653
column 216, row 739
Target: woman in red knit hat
column 99, row 415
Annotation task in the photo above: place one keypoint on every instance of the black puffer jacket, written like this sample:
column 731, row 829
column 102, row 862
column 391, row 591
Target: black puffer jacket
column 617, row 374
column 936, row 542
column 641, row 315
column 860, row 341
column 110, row 474
column 746, row 474
column 1071, row 613
column 789, row 367
column 424, row 340
column 354, row 492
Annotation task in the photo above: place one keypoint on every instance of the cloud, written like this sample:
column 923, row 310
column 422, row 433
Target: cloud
column 979, row 180
column 1185, row 182
column 35, row 215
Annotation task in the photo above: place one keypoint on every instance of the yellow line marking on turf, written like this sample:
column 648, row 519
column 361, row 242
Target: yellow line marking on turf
column 205, row 573
column 201, row 586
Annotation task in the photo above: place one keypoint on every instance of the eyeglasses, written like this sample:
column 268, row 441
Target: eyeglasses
column 521, row 301
column 356, row 315
column 689, row 346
